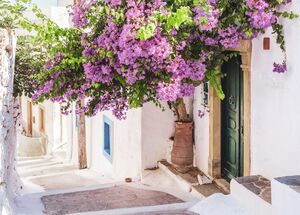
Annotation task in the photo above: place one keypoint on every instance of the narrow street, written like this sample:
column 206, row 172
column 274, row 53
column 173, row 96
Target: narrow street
column 54, row 188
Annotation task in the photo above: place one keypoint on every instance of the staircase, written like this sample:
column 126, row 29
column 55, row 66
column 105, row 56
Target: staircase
column 255, row 195
column 43, row 165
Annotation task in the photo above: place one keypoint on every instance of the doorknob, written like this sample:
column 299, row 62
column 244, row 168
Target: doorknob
column 231, row 100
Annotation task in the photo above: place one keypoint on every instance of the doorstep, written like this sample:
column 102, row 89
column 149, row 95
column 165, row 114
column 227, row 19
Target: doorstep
column 186, row 178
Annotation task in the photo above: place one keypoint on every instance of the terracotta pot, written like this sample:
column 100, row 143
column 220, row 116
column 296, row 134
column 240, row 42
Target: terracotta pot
column 182, row 153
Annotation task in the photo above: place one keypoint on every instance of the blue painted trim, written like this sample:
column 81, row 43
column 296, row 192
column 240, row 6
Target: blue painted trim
column 109, row 122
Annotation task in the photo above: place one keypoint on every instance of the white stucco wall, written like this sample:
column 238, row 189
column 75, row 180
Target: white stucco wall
column 157, row 128
column 138, row 142
column 126, row 147
column 201, row 132
column 57, row 130
column 275, row 101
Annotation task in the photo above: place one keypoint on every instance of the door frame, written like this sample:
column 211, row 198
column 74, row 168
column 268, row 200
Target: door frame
column 214, row 160
column 29, row 118
column 42, row 120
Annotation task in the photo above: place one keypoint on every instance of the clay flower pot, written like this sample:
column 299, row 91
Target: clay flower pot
column 182, row 153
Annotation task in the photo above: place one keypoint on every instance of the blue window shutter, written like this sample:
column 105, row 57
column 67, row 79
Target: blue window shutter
column 107, row 138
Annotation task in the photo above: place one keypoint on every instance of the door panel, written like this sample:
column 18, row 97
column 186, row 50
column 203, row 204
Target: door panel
column 231, row 107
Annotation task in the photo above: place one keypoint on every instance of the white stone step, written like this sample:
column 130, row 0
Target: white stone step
column 157, row 209
column 60, row 155
column 219, row 204
column 286, row 195
column 20, row 159
column 45, row 164
column 45, row 170
column 253, row 194
column 29, row 163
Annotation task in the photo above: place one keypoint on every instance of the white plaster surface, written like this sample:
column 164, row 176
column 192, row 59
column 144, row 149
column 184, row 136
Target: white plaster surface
column 201, row 132
column 126, row 145
column 157, row 128
column 219, row 204
column 275, row 100
column 285, row 201
column 56, row 128
column 138, row 142
column 246, row 199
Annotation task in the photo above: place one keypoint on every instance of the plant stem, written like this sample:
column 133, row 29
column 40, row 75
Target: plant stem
column 181, row 111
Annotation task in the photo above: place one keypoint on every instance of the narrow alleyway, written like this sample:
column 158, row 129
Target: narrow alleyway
column 56, row 188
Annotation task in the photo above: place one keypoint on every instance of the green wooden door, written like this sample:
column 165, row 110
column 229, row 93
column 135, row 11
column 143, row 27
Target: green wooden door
column 232, row 120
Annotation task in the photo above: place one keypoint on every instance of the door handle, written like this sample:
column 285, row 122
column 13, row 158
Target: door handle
column 231, row 100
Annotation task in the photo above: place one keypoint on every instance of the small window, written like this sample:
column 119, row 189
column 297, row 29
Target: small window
column 107, row 140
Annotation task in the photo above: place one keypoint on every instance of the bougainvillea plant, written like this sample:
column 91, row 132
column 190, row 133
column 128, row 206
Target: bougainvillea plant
column 123, row 53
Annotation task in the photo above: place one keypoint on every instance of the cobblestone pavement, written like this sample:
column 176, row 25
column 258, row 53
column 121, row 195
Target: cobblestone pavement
column 106, row 199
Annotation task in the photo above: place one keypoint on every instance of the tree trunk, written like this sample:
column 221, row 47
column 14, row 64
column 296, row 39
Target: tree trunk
column 8, row 120
column 81, row 131
column 181, row 111
column 82, row 141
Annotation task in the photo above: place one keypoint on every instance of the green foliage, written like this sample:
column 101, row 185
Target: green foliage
column 12, row 14
column 147, row 31
column 214, row 78
column 28, row 55
column 176, row 19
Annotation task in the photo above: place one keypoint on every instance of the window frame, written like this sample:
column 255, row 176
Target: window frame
column 108, row 155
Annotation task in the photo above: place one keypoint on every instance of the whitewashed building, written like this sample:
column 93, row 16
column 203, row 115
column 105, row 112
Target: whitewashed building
column 254, row 131
column 268, row 118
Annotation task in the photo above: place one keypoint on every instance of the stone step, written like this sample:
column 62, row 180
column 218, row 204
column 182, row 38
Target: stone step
column 29, row 163
column 44, row 164
column 286, row 195
column 219, row 204
column 223, row 184
column 168, row 209
column 253, row 193
column 46, row 170
column 20, row 159
column 60, row 155
column 186, row 178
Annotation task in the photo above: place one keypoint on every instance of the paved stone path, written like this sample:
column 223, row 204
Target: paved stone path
column 106, row 199
column 258, row 185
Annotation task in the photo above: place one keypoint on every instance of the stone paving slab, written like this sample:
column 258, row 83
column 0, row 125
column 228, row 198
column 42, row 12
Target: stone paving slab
column 257, row 184
column 208, row 189
column 189, row 175
column 292, row 181
column 105, row 199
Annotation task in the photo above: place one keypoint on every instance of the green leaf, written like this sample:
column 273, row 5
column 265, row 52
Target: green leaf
column 182, row 15
column 146, row 32
column 215, row 81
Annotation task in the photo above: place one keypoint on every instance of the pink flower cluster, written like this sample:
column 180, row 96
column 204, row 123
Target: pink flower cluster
column 259, row 15
column 119, row 66
column 207, row 18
